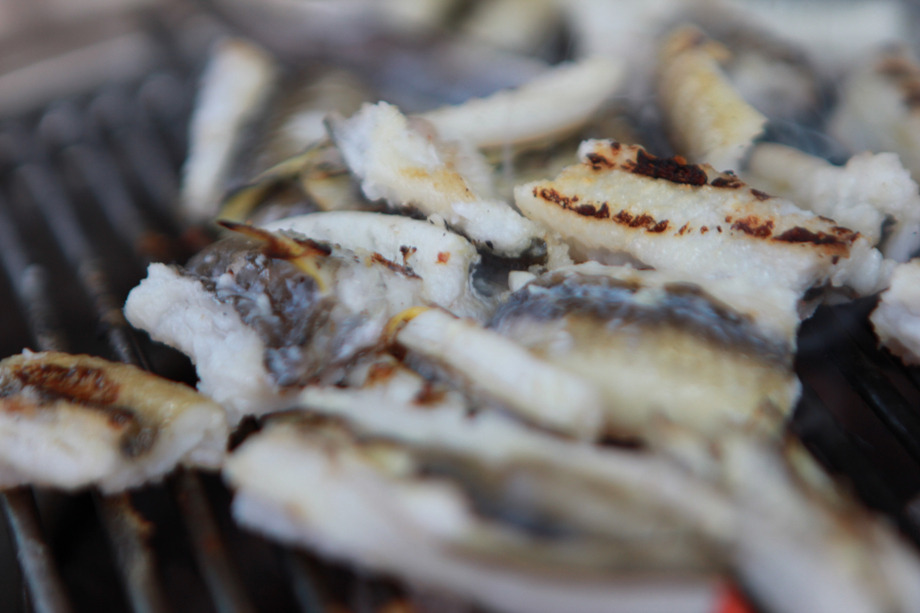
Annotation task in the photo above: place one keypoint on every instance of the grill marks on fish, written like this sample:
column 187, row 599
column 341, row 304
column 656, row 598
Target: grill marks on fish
column 36, row 386
column 676, row 170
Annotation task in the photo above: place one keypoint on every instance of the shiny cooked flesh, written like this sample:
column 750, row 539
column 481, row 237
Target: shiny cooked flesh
column 71, row 421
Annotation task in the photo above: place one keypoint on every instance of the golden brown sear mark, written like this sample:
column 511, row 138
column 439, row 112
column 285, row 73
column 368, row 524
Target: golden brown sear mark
column 753, row 226
column 81, row 384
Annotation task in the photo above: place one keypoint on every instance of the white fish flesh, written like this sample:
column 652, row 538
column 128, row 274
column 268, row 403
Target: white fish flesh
column 687, row 218
column 74, row 421
column 873, row 193
column 896, row 319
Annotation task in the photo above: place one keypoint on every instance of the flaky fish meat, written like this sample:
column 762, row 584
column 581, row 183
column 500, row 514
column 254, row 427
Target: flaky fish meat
column 74, row 421
column 896, row 319
column 873, row 193
column 708, row 121
column 410, row 167
column 621, row 201
column 263, row 313
column 313, row 482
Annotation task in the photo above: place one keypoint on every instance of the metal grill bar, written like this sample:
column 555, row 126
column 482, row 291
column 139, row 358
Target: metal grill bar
column 39, row 571
column 126, row 532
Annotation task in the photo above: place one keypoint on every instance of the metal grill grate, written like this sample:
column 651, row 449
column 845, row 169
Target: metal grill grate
column 86, row 190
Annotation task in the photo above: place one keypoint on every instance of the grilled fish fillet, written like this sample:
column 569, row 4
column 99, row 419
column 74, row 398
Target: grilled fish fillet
column 673, row 216
column 73, row 421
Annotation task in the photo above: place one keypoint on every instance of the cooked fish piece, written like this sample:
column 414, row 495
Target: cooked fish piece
column 873, row 194
column 393, row 402
column 659, row 347
column 234, row 89
column 385, row 508
column 410, row 168
column 896, row 319
column 74, row 421
column 526, row 385
column 262, row 314
column 442, row 259
column 707, row 119
column 878, row 108
column 552, row 105
column 673, row 216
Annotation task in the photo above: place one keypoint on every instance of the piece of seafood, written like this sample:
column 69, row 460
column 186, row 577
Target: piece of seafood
column 707, row 119
column 878, row 108
column 548, row 107
column 503, row 371
column 873, row 194
column 264, row 313
column 484, row 515
column 670, row 215
column 703, row 355
column 73, row 421
column 409, row 167
column 592, row 350
column 389, row 508
column 235, row 87
column 896, row 319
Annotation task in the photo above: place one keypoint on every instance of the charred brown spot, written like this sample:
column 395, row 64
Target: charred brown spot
column 90, row 388
column 590, row 210
column 391, row 265
column 551, row 195
column 719, row 229
column 827, row 219
column 640, row 221
column 835, row 259
column 683, row 229
column 728, row 219
column 598, row 162
column 380, row 373
column 443, row 257
column 83, row 384
column 803, row 235
column 752, row 226
column 760, row 195
column 429, row 394
column 407, row 252
column 704, row 230
column 727, row 181
column 675, row 170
